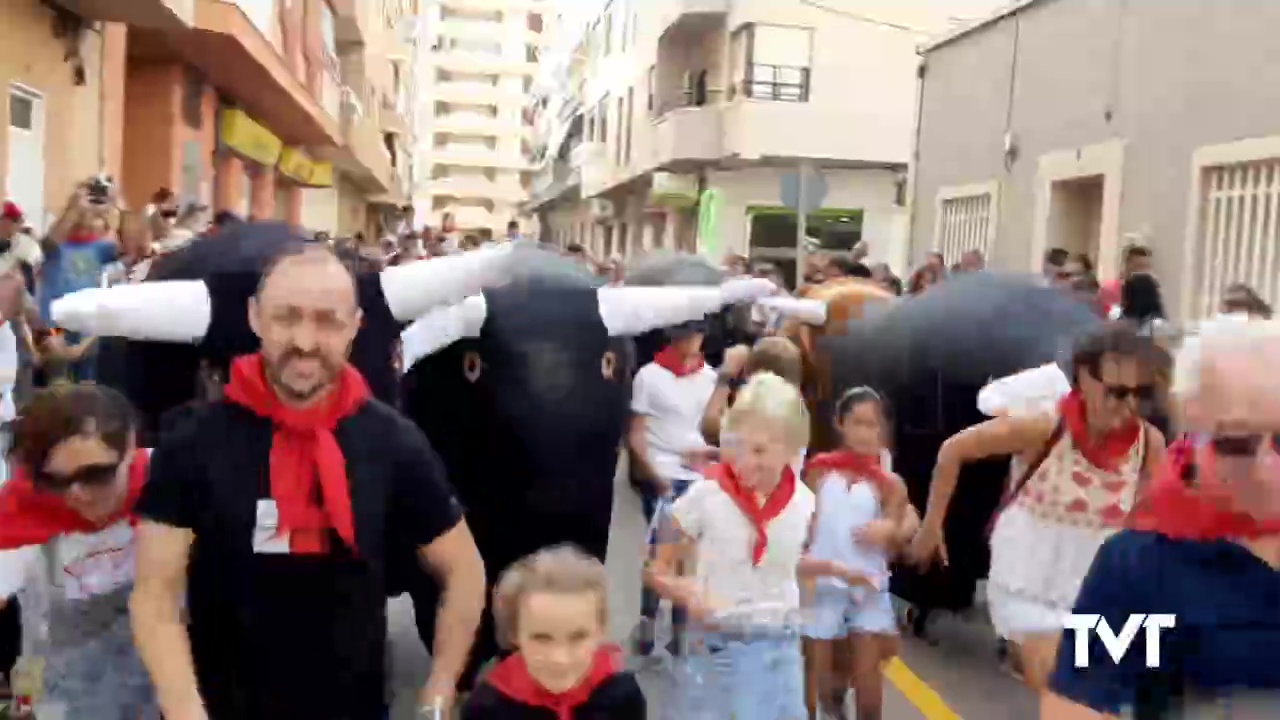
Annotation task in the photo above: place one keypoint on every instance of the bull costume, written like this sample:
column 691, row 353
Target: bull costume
column 524, row 389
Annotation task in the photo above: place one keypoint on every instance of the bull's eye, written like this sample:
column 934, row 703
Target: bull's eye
column 471, row 366
column 608, row 364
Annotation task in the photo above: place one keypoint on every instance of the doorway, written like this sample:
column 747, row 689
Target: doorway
column 24, row 177
column 1075, row 215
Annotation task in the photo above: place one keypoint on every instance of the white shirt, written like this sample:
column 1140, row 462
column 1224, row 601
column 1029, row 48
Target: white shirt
column 673, row 408
column 726, row 574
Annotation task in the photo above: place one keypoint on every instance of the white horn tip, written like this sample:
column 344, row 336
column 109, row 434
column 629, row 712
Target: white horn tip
column 747, row 290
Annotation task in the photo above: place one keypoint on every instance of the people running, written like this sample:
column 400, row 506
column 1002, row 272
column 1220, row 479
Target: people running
column 1204, row 549
column 277, row 509
column 744, row 530
column 1082, row 473
column 667, row 399
column 861, row 520
column 551, row 610
column 67, row 549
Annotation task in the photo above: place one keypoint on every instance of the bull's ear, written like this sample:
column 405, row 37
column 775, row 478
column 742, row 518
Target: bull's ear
column 806, row 310
column 636, row 310
column 414, row 289
column 164, row 311
column 441, row 328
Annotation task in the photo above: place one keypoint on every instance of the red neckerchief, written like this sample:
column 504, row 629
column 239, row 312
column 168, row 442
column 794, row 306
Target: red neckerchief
column 679, row 365
column 304, row 452
column 511, row 678
column 81, row 237
column 1201, row 510
column 745, row 498
column 855, row 467
column 29, row 516
column 1114, row 447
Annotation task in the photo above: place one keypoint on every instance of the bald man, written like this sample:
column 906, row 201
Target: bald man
column 276, row 510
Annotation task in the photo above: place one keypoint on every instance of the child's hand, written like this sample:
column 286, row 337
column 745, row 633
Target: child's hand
column 879, row 533
column 698, row 458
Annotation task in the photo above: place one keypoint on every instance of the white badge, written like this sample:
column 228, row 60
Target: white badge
column 267, row 537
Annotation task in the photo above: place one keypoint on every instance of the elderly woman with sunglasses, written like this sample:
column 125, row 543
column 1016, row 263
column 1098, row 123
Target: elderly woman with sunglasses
column 1080, row 466
column 1204, row 547
column 67, row 550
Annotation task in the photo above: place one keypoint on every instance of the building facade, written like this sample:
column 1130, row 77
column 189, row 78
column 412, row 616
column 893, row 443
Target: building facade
column 252, row 106
column 694, row 121
column 475, row 137
column 1100, row 124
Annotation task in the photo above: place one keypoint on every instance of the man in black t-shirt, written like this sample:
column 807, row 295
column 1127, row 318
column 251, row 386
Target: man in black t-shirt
column 278, row 510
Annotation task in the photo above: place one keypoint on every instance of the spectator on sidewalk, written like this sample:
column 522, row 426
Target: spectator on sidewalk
column 80, row 245
column 1137, row 259
column 18, row 250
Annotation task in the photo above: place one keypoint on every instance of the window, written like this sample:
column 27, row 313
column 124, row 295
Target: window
column 630, row 116
column 1236, row 231
column 624, row 29
column 192, row 98
column 965, row 221
column 617, row 141
column 531, row 53
column 473, row 45
column 534, row 22
column 773, row 62
column 602, row 121
column 328, row 33
column 22, row 111
column 607, row 32
column 652, row 84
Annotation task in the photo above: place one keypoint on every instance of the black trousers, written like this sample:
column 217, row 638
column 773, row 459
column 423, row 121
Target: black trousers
column 10, row 635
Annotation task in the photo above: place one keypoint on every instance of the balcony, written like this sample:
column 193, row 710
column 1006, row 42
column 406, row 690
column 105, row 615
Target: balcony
column 168, row 15
column 473, row 156
column 242, row 62
column 472, row 217
column 692, row 15
column 348, row 22
column 592, row 161
column 471, row 124
column 363, row 155
column 685, row 136
column 393, row 119
column 471, row 29
column 471, row 93
column 482, row 63
column 476, row 187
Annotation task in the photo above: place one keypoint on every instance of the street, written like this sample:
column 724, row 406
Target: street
column 956, row 678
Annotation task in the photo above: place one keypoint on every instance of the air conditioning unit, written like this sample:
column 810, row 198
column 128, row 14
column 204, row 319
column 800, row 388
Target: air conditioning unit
column 600, row 209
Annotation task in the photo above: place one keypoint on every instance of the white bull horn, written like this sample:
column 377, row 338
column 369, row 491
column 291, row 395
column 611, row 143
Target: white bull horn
column 806, row 310
column 442, row 327
column 632, row 310
column 1024, row 393
column 414, row 289
column 164, row 311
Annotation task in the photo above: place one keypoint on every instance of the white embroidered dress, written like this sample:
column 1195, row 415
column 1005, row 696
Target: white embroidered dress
column 1043, row 543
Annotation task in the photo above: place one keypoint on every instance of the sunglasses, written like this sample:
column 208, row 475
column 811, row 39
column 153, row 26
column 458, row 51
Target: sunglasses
column 1124, row 392
column 1242, row 445
column 88, row 476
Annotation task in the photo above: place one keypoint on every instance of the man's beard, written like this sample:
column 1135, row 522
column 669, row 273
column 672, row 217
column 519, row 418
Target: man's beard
column 274, row 368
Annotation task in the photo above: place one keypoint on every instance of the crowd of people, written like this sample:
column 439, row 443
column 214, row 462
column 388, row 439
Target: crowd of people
column 240, row 568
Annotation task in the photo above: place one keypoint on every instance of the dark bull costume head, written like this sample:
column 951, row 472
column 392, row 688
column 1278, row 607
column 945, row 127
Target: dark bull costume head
column 192, row 312
column 524, row 390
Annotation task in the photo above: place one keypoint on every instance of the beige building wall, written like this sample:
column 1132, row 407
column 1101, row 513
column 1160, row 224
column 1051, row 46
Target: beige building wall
column 734, row 94
column 474, row 135
column 1160, row 101
column 76, row 127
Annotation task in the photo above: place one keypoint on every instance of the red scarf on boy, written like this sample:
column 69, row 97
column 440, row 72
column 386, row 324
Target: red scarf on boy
column 745, row 498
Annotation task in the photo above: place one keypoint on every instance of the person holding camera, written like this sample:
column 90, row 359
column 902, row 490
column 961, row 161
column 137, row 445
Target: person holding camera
column 79, row 246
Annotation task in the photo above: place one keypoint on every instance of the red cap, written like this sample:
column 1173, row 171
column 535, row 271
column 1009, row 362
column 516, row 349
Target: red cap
column 11, row 211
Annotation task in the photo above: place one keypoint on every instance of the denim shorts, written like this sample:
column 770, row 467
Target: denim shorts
column 755, row 675
column 837, row 612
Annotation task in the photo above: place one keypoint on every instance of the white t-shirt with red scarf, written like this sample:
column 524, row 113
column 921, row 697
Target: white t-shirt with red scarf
column 727, row 574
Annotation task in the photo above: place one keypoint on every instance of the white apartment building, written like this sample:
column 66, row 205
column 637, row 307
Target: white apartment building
column 688, row 117
column 474, row 136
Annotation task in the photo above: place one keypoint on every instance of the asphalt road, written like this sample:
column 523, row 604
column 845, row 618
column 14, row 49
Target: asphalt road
column 955, row 677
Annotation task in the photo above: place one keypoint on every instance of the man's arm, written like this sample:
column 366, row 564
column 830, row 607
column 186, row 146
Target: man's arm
column 425, row 515
column 155, row 609
column 455, row 562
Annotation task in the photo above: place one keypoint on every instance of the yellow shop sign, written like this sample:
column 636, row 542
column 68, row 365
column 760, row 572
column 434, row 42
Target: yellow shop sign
column 248, row 138
column 301, row 168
